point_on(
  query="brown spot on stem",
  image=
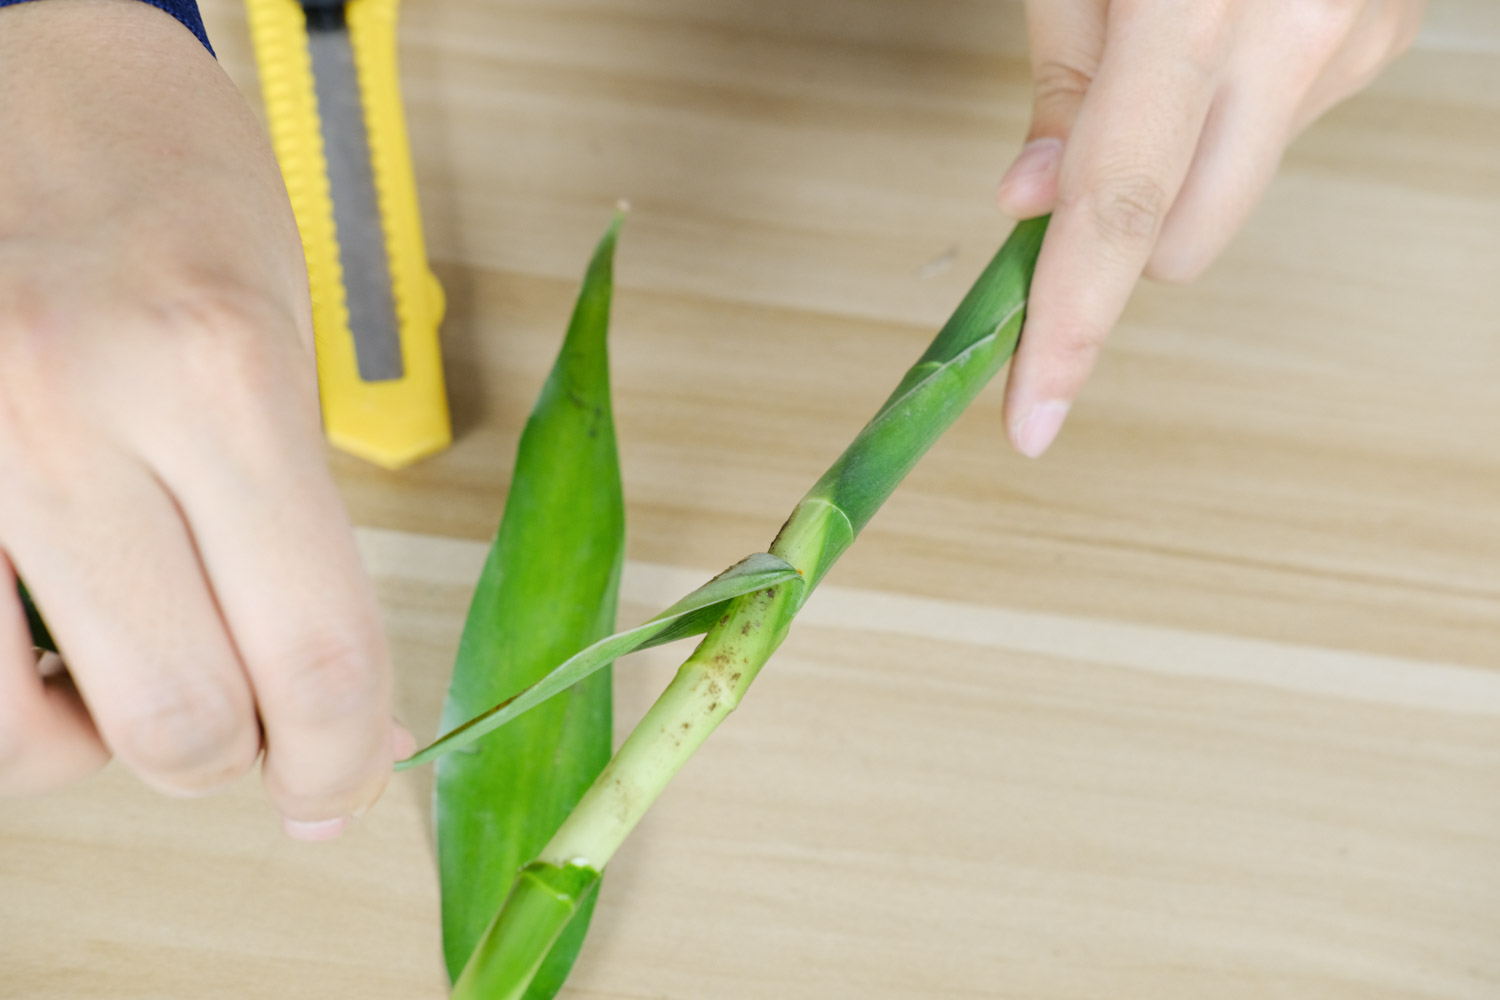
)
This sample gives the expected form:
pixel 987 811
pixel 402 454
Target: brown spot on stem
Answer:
pixel 714 706
pixel 745 629
pixel 724 620
pixel 626 803
pixel 734 677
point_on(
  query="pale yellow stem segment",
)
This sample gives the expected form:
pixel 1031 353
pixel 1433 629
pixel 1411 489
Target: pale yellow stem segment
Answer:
pixel 706 689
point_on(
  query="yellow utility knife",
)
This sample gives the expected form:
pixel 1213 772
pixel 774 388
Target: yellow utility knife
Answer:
pixel 328 75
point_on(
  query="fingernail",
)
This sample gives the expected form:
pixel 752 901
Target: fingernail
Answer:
pixel 326 829
pixel 403 743
pixel 1039 428
pixel 1038 159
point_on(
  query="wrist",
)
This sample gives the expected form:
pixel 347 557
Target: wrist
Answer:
pixel 185 12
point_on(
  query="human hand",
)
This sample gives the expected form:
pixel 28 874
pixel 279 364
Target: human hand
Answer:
pixel 164 492
pixel 1156 127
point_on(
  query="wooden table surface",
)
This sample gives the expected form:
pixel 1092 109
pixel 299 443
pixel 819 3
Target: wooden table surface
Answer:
pixel 1203 705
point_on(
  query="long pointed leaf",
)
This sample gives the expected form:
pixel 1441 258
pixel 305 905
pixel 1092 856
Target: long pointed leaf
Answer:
pixel 549 588
pixel 693 615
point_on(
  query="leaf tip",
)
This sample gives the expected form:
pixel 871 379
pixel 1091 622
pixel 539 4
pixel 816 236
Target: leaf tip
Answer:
pixel 602 264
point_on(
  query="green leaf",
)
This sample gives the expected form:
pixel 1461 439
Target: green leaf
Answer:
pixel 549 588
pixel 41 638
pixel 693 615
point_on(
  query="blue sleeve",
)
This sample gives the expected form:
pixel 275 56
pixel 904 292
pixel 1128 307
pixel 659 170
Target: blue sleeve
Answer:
pixel 185 11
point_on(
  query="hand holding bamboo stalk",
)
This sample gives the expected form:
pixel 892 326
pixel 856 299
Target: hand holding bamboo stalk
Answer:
pixel 1155 129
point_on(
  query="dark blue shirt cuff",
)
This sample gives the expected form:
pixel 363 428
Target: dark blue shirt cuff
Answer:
pixel 185 11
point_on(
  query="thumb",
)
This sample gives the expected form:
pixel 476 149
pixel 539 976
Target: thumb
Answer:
pixel 1067 42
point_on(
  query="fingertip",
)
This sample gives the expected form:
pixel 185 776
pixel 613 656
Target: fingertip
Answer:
pixel 312 804
pixel 314 832
pixel 325 705
pixel 1175 271
pixel 1186 249
pixel 1038 426
pixel 1029 187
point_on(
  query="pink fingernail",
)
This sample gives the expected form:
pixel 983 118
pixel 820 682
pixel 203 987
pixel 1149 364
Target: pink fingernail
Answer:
pixel 1039 428
pixel 314 832
pixel 1035 165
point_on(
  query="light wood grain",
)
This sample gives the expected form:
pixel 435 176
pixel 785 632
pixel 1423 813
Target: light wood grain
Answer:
pixel 1203 705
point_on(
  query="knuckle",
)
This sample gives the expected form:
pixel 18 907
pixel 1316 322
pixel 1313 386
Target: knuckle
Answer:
pixel 220 342
pixel 1053 78
pixel 246 374
pixel 236 345
pixel 197 734
pixel 1128 210
pixel 1065 359
pixel 1058 89
pixel 1075 351
pixel 327 678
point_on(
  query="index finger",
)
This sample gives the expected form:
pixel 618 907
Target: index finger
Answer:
pixel 279 552
pixel 1124 164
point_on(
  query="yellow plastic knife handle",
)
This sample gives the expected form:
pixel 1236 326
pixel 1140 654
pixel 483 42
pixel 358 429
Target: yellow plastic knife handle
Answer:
pixel 393 422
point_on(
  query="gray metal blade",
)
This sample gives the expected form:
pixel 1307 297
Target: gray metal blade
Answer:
pixel 356 212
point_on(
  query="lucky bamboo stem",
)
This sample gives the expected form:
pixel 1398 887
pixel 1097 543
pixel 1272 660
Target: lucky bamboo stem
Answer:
pixel 706 689
pixel 971 348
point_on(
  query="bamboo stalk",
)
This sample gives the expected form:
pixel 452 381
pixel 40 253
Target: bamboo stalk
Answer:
pixel 971 348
